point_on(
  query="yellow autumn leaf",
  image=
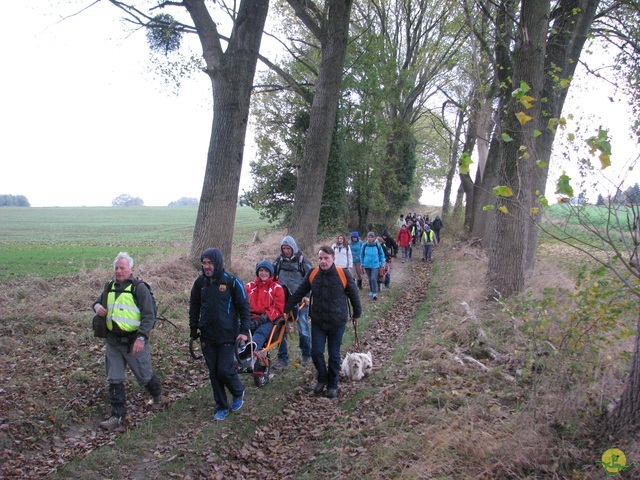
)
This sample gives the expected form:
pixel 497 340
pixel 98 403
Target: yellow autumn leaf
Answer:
pixel 527 101
pixel 535 210
pixel 503 209
pixel 605 160
pixel 523 118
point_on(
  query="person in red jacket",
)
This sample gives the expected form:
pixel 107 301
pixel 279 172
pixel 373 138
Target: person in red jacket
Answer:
pixel 266 300
pixel 404 241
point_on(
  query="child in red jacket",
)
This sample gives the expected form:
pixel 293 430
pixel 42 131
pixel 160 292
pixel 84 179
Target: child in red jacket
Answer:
pixel 266 299
pixel 404 240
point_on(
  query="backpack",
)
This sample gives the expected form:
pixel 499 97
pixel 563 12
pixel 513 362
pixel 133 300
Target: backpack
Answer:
pixel 278 263
pixel 137 282
pixel 343 277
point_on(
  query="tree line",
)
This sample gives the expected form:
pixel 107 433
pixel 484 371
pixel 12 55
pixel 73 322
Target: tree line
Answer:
pixel 14 201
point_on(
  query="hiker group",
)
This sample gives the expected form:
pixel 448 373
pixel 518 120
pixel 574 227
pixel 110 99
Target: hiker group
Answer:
pixel 224 312
pixel 417 230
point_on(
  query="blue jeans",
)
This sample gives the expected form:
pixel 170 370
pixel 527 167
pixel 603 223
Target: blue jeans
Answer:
pixel 261 334
pixel 222 372
pixel 372 278
pixel 333 339
pixel 405 253
pixel 304 334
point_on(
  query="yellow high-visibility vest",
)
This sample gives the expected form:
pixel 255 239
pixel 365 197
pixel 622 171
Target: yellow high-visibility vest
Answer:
pixel 123 311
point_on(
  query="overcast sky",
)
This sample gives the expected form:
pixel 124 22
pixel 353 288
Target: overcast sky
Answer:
pixel 83 121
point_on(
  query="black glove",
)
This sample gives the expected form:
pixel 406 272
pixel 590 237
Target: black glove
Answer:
pixel 194 334
pixel 256 322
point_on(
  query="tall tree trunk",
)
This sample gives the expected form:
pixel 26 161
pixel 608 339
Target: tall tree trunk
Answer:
pixel 625 417
pixel 527 174
pixel 571 25
pixel 308 196
pixel 453 162
pixel 518 160
pixel 231 74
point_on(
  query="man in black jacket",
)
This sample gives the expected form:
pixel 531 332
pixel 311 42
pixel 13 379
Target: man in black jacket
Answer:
pixel 217 301
pixel 329 313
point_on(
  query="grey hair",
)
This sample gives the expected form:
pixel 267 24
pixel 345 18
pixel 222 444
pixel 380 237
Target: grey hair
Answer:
pixel 125 256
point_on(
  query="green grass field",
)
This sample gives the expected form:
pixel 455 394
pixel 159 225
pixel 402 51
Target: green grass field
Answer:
pixel 47 242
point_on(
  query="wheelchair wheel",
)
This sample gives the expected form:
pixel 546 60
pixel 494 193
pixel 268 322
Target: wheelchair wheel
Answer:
pixel 260 374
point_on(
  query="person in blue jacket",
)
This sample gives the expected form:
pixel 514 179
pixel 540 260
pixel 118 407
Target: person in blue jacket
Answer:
pixel 356 247
pixel 219 314
pixel 372 258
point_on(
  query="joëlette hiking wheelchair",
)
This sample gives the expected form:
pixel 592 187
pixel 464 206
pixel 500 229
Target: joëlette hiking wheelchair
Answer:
pixel 257 362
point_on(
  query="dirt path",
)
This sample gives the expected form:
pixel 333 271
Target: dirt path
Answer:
pixel 310 420
pixel 302 425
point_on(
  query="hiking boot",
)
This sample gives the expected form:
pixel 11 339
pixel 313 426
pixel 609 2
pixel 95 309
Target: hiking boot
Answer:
pixel 157 402
pixel 319 387
pixel 237 403
pixel 374 297
pixel 306 361
pixel 220 415
pixel 281 365
pixel 246 349
pixel 332 393
pixel 111 423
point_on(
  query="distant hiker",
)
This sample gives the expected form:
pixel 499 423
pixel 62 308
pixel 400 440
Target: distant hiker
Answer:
pixel 344 257
pixel 436 225
pixel 428 240
pixel 130 315
pixel 391 252
pixel 372 258
pixel 290 268
pixel 331 293
pixel 404 241
pixel 356 248
pixel 219 315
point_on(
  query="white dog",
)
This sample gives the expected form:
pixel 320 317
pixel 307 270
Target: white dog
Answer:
pixel 356 366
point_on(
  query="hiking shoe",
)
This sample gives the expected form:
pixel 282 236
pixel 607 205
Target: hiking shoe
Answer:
pixel 371 294
pixel 246 349
pixel 111 423
pixel 221 414
pixel 157 403
pixel 306 361
pixel 332 393
pixel 281 365
pixel 374 297
pixel 237 403
pixel 319 387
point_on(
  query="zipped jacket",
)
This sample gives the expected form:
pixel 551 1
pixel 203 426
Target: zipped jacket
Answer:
pixel 265 297
pixel 128 315
pixel 218 306
pixel 372 255
pixel 330 300
pixel 343 255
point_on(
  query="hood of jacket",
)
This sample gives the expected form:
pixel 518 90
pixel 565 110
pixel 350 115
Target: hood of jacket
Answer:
pixel 215 256
pixel 288 240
